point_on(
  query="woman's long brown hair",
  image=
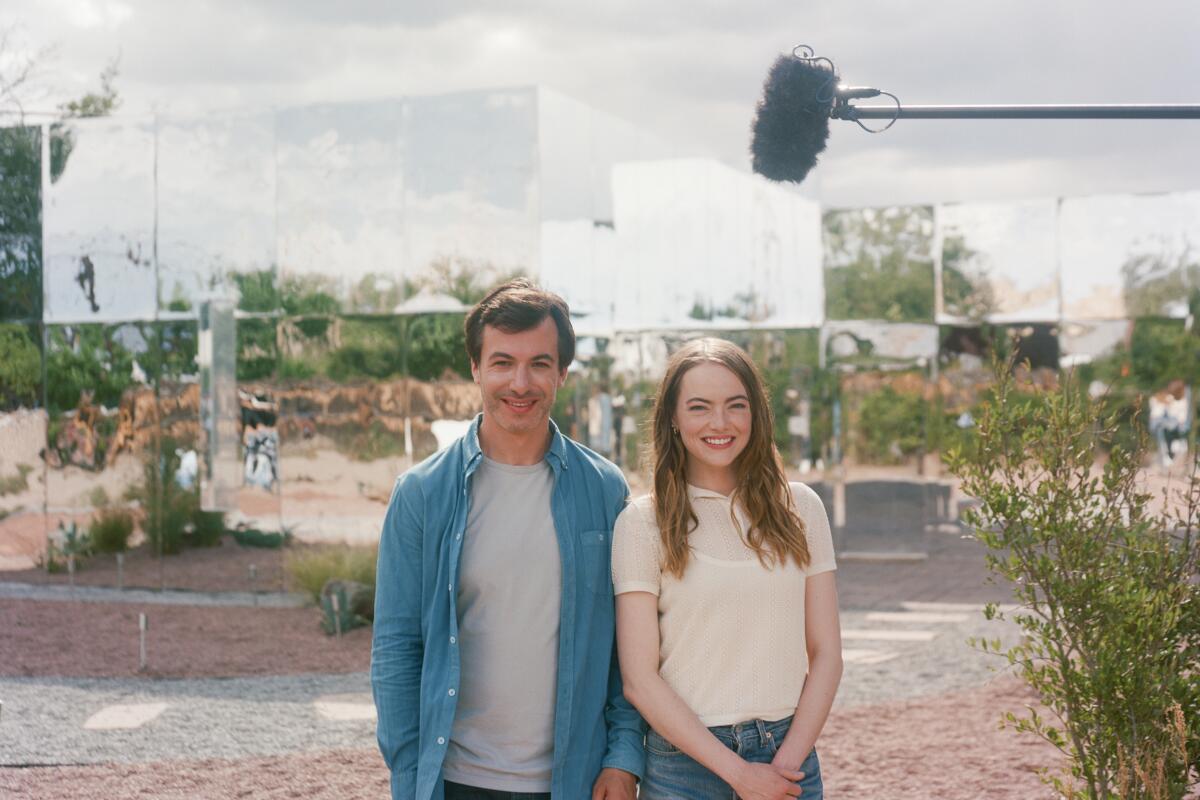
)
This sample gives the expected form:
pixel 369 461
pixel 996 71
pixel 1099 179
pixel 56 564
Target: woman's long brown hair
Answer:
pixel 776 531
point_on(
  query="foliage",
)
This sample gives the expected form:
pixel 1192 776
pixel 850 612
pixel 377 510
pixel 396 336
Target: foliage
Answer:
pixel 168 510
pixel 86 358
pixel 1106 601
pixel 20 224
pixel 466 280
pixel 965 288
pixel 891 427
pixel 208 527
pixel 65 542
pixel 437 343
pixel 310 568
pixel 111 529
pixel 92 104
pixel 257 354
pixel 252 537
pixel 20 368
pixel 879 264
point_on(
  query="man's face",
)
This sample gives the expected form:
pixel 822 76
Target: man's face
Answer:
pixel 518 377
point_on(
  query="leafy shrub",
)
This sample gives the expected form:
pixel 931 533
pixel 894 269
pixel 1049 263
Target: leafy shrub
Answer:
pixel 252 537
pixel 67 541
pixel 168 509
pixel 1105 589
pixel 110 530
pixel 209 526
pixel 891 426
pixel 309 569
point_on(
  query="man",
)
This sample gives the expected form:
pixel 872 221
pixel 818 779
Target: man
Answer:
pixel 493 663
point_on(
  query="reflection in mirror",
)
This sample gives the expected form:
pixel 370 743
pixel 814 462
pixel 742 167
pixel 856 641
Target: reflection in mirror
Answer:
pixel 470 182
pixel 99 220
pixel 341 203
pixel 101 426
pixel 755 262
pixel 22 448
pixel 1129 255
pixel 879 264
pixel 1000 262
pixel 21 224
pixel 216 203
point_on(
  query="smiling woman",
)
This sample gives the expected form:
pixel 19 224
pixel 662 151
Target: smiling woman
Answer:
pixel 710 573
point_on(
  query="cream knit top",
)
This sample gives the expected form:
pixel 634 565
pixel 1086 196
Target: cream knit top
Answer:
pixel 731 631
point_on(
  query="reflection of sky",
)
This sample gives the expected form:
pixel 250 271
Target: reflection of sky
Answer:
pixel 1100 234
pixel 1013 247
pixel 216 185
pixel 102 207
pixel 695 231
pixel 1092 339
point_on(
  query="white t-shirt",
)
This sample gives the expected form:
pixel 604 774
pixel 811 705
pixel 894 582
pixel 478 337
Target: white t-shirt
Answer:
pixel 731 631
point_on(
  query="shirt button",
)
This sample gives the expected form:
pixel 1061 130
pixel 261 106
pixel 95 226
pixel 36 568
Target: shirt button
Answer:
pixel 452 693
pixel 441 740
pixel 450 587
pixel 459 536
pixel 453 640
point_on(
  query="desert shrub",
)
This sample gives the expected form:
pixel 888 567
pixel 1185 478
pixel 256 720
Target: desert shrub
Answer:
pixel 208 527
pixel 1105 591
pixel 66 541
pixel 110 530
pixel 310 569
pixel 252 537
pixel 168 510
pixel 15 484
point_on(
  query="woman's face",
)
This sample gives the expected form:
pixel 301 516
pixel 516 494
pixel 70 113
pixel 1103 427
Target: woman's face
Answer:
pixel 713 416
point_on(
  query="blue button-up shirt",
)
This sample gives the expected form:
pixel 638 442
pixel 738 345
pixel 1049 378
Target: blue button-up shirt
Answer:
pixel 415 667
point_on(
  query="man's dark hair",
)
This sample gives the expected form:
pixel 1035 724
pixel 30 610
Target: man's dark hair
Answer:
pixel 520 305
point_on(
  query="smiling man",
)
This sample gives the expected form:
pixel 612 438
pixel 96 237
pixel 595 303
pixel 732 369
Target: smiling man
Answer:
pixel 493 662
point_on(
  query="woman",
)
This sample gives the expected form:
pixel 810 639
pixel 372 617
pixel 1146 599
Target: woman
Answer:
pixel 727 623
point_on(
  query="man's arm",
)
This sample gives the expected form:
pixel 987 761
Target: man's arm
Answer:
pixel 626 728
pixel 397 647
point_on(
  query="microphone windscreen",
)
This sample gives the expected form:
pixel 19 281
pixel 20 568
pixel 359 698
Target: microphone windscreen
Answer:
pixel 791 123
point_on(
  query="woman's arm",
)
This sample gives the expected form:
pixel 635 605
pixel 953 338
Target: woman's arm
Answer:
pixel 823 640
pixel 638 650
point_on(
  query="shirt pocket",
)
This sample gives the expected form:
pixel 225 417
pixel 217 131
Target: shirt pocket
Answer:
pixel 595 558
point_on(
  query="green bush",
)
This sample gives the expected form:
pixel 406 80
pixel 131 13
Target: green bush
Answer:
pixel 110 530
pixel 310 568
pixel 67 541
pixel 1105 591
pixel 168 509
pixel 15 484
pixel 891 427
pixel 252 537
pixel 209 526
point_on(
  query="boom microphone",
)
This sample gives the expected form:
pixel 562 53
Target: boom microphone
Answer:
pixel 791 123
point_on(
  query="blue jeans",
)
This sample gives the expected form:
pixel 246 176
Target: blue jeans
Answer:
pixel 671 774
pixel 456 791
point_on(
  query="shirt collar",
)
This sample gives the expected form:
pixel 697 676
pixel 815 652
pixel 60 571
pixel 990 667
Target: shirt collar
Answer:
pixel 556 453
pixel 695 492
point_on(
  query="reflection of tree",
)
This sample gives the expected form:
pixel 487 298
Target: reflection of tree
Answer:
pixel 465 279
pixel 879 264
pixel 1154 282
pixel 965 288
pixel 20 367
pixel 745 305
pixel 20 223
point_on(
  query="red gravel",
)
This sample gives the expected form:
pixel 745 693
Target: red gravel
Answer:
pixel 73 639
pixel 222 568
pixel 946 747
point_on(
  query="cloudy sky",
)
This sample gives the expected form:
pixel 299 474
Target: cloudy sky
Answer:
pixel 687 71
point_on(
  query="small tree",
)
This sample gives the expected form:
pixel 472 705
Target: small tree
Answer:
pixel 1106 591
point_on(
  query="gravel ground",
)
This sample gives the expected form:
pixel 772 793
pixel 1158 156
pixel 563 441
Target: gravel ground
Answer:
pixel 77 639
pixel 169 597
pixel 222 568
pixel 212 718
pixel 947 746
